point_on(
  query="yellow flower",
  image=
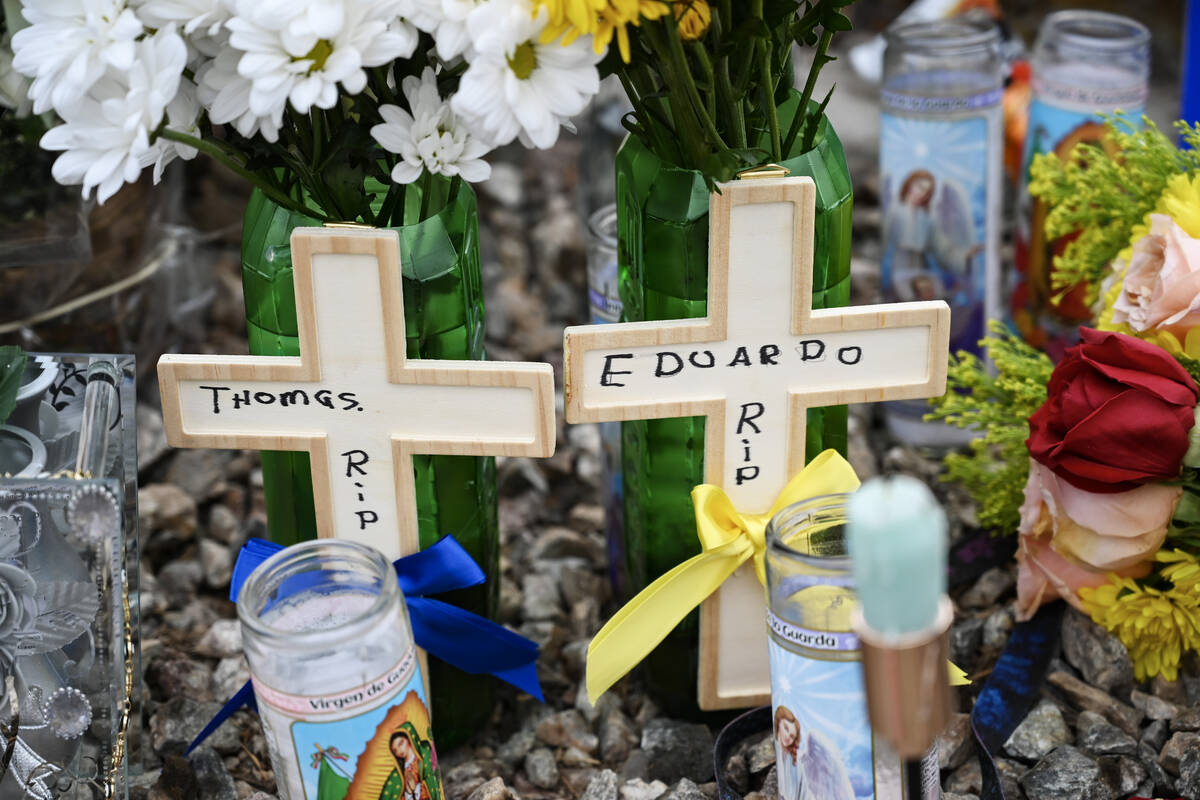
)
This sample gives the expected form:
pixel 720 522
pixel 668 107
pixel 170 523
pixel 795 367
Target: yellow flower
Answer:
pixel 1181 202
pixel 1183 571
pixel 600 19
pixel 1157 627
pixel 694 17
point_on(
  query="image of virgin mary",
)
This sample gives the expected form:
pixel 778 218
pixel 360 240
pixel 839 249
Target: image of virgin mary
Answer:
pixel 410 778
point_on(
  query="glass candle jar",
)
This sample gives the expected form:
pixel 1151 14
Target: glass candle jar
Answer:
pixel 823 736
pixel 941 164
pixel 1085 63
pixel 336 674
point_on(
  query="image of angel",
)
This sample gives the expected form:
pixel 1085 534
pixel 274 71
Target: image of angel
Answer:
pixel 810 765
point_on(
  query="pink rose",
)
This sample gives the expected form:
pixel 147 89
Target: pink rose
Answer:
pixel 1162 284
pixel 1071 538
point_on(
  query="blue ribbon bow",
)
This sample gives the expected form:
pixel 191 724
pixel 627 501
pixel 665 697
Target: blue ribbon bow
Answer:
pixel 462 639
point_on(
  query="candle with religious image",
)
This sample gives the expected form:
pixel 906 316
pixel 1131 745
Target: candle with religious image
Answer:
pixel 336 675
pixel 1085 64
pixel 824 744
pixel 940 176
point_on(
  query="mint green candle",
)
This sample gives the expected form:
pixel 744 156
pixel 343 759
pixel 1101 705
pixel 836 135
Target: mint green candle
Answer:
pixel 897 539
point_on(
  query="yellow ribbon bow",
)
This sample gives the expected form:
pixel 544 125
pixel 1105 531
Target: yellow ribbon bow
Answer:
pixel 729 539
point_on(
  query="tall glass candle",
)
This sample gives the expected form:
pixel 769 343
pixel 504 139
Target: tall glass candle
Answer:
pixel 941 162
pixel 1085 63
pixel 824 745
pixel 336 675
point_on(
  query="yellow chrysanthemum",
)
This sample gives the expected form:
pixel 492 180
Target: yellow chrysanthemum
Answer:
pixel 1181 202
pixel 600 19
pixel 1183 571
pixel 693 17
pixel 1157 627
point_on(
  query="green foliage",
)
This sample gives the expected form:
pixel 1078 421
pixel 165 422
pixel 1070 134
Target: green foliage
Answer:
pixel 996 468
pixel 12 367
pixel 1184 530
pixel 713 104
pixel 1103 190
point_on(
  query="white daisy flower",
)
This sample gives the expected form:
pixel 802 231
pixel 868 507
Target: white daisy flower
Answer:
pixel 226 95
pixel 14 87
pixel 203 17
pixel 516 86
pixel 300 50
pixel 183 115
pixel 106 135
pixel 69 44
pixel 431 138
pixel 446 20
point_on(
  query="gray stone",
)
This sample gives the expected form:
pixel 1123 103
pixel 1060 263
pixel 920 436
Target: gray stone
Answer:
pixel 770 785
pixel 223 525
pixel 1173 692
pixel 151 436
pixel 212 778
pixel 200 473
pixel 1153 707
pixel 495 789
pixel 1067 773
pixel 989 587
pixel 1173 751
pixel 162 506
pixel 737 773
pixel 955 744
pixel 996 630
pixel 177 722
pixel 678 750
pixel 541 768
pixel 586 517
pixel 1123 773
pixel 574 757
pixel 230 675
pixel 1098 655
pixel 567 729
pixel 1042 730
pixel 636 766
pixel 1100 737
pixel 179 581
pixel 1188 783
pixel 957 796
pixel 1187 720
pixel 617 736
pixel 576 779
pixel 761 755
pixel 559 542
pixel 602 787
pixel 638 789
pixel 966 635
pixel 539 597
pixel 1089 698
pixel 1155 735
pixel 965 779
pixel 222 640
pixel 217 562
pixel 181 677
pixel 516 747
pixel 1163 781
pixel 684 789
pixel 1010 773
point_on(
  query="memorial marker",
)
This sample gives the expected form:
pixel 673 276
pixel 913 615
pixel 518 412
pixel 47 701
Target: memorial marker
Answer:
pixel 753 367
pixel 352 399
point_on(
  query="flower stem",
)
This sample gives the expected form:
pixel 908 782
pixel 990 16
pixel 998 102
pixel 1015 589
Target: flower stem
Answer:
pixel 268 188
pixel 725 96
pixel 806 95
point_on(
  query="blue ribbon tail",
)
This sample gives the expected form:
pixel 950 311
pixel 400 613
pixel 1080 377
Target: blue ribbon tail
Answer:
pixel 441 567
pixel 474 644
pixel 243 699
pixel 253 553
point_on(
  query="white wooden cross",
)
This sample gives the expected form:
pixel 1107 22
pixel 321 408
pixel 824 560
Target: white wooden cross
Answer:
pixel 352 399
pixel 753 368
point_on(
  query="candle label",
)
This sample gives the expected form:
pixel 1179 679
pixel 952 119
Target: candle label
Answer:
pixel 940 167
pixel 371 741
pixel 824 745
pixel 1061 116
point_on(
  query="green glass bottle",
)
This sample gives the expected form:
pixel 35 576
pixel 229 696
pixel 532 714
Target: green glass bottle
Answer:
pixel 663 261
pixel 444 319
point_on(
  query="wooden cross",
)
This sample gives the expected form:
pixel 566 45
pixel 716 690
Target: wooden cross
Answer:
pixel 753 367
pixel 352 399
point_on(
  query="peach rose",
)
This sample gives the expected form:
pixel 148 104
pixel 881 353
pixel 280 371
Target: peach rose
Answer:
pixel 1162 284
pixel 1071 538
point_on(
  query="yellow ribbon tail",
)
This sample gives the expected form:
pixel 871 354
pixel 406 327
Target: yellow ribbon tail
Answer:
pixel 646 620
pixel 957 676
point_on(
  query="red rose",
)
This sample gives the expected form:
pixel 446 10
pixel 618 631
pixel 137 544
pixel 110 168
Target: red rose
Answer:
pixel 1117 416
